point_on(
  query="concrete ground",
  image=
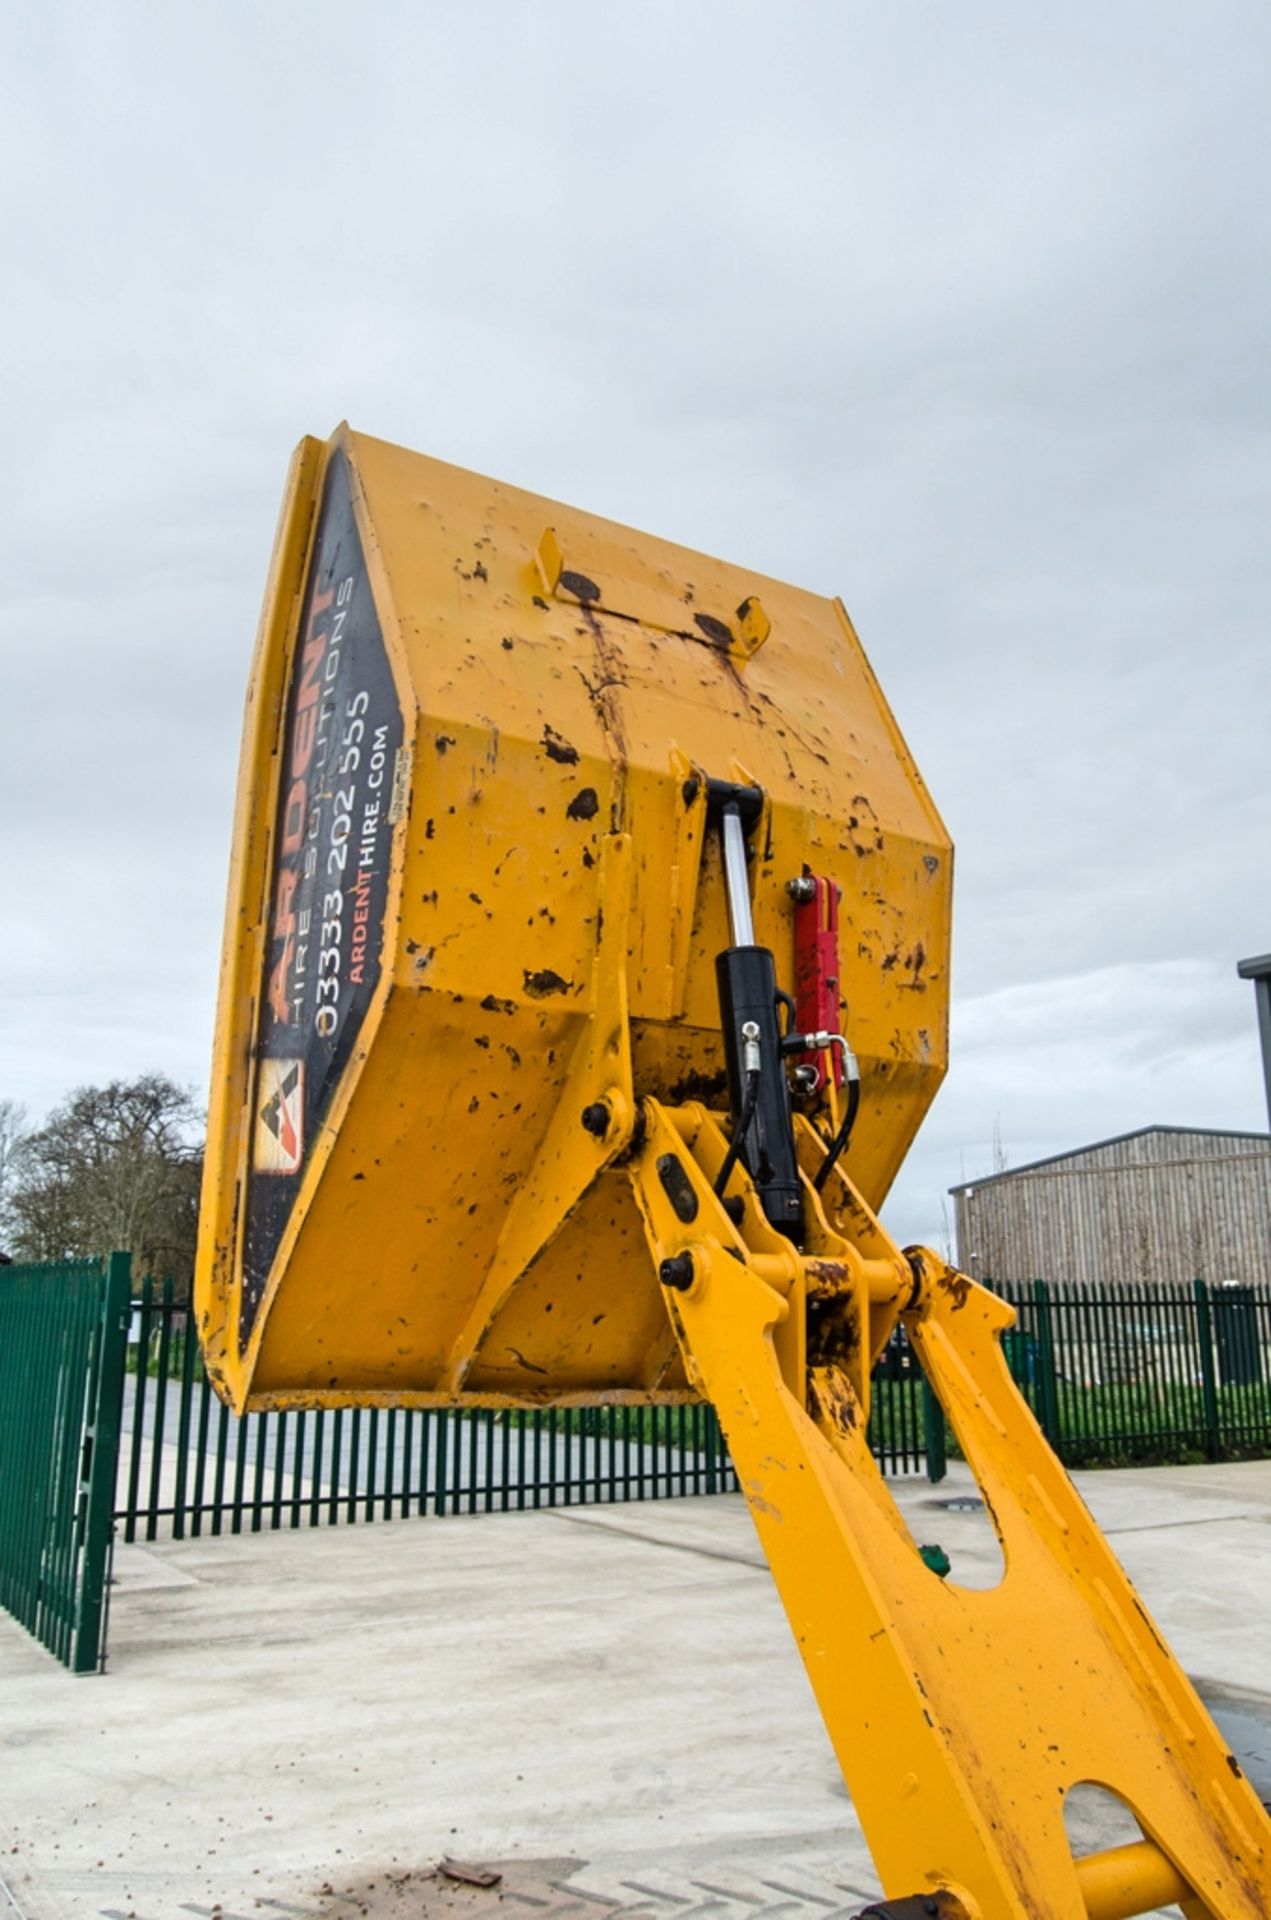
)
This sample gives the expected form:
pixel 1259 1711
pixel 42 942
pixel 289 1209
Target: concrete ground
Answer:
pixel 604 1703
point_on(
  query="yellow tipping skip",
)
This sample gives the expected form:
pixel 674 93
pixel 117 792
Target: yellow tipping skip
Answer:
pixel 491 1125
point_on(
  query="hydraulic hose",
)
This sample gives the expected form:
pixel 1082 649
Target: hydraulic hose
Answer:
pixel 749 1101
pixel 839 1143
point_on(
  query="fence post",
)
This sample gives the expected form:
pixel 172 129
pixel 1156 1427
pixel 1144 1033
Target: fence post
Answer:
pixel 1047 1381
pixel 1208 1375
pixel 933 1433
pixel 101 1465
pixel 189 1343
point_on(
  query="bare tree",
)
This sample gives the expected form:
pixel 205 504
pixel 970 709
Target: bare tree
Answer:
pixel 12 1126
pixel 946 1231
pixel 1001 1158
pixel 113 1167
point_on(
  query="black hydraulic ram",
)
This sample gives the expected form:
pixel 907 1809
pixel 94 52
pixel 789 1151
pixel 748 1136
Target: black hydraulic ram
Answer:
pixel 750 1013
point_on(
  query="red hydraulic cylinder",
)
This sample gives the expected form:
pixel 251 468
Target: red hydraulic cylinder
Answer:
pixel 816 968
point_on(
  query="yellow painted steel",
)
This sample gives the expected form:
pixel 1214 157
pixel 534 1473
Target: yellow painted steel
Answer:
pixel 1120 1883
pixel 961 1719
pixel 549 935
pixel 517 1123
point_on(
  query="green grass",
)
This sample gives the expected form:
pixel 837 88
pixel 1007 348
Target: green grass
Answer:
pixel 1152 1425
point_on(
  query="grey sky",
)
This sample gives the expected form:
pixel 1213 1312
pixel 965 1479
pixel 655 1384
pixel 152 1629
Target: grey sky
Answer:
pixel 961 311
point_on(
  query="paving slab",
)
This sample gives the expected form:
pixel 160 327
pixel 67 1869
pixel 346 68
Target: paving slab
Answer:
pixel 602 1703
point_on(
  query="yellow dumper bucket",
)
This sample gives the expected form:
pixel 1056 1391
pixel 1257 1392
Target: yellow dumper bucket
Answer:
pixel 474 910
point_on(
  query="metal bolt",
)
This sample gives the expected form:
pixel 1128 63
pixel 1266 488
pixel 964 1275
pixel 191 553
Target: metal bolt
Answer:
pixel 677 1272
pixel 805 1079
pixel 801 889
pixel 596 1119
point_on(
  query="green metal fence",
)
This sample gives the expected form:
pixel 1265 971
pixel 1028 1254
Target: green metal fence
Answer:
pixel 1138 1374
pixel 906 1429
pixel 188 1467
pixel 1125 1374
pixel 1116 1376
pixel 62 1334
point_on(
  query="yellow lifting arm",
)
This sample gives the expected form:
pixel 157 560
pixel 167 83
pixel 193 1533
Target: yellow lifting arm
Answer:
pixel 960 1718
pixel 585 981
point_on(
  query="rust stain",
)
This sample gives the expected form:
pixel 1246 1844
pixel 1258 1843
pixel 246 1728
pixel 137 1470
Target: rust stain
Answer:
pixel 914 964
pixel 829 1274
pixel 584 806
pixel 705 1087
pixel 956 1285
pixel 557 748
pixel 830 1399
pixel 604 692
pixel 529 1366
pixel 834 1330
pixel 715 630
pixel 544 982
pixel 580 586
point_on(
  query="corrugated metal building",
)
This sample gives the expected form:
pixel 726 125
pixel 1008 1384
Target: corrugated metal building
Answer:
pixel 1162 1204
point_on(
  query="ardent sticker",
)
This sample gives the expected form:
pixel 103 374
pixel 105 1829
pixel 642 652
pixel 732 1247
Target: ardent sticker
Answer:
pixel 340 753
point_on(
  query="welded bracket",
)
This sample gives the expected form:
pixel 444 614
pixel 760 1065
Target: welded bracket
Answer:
pixel 592 1124
pixel 961 1718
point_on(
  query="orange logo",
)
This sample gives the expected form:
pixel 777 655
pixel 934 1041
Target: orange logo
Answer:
pixel 279 1146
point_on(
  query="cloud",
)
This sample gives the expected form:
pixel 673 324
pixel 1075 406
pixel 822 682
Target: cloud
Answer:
pixel 962 314
pixel 1046 1066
